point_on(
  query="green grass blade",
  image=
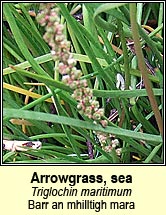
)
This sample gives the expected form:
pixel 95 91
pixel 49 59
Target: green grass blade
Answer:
pixel 156 139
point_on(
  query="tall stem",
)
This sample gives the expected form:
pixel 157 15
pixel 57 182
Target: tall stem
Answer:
pixel 143 68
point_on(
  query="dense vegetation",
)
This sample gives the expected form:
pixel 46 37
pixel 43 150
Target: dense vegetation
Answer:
pixel 119 50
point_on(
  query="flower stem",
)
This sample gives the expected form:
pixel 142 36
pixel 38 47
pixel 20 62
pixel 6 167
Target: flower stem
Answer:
pixel 142 67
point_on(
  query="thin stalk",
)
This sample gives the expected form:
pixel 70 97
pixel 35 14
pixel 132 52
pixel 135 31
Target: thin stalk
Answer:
pixel 139 14
pixel 142 67
pixel 125 55
pixel 126 66
pixel 160 18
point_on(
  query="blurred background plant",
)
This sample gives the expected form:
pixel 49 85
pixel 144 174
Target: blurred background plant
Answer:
pixel 100 42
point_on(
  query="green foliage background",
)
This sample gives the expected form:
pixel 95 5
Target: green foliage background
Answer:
pixel 65 140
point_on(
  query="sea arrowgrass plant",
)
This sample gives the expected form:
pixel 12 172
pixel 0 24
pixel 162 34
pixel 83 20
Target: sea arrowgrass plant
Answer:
pixel 71 76
pixel 61 89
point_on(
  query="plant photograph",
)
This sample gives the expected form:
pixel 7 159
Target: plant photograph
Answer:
pixel 83 83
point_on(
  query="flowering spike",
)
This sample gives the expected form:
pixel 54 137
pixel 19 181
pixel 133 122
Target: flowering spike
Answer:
pixel 71 76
